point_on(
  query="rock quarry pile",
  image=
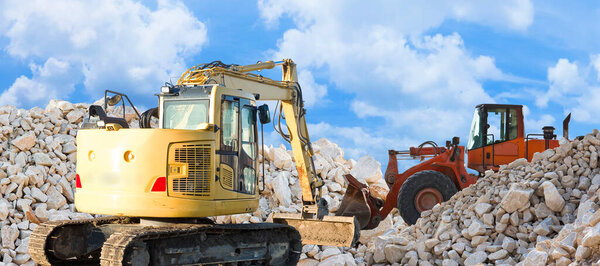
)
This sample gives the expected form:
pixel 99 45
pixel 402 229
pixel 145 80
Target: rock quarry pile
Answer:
pixel 38 168
pixel 37 171
pixel 538 213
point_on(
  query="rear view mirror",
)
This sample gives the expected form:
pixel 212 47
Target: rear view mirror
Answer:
pixel 112 101
pixel 263 114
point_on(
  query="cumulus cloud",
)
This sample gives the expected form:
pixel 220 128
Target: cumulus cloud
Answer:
pixel 311 91
pixel 564 79
pixel 357 141
pixel 54 79
pixel 534 124
pixel 384 55
pixel 575 87
pixel 120 45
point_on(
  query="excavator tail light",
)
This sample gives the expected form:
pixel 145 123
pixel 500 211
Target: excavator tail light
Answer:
pixel 77 181
pixel 160 185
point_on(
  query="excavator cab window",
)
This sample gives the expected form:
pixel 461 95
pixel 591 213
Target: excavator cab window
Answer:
pixel 229 127
pixel 247 182
pixel 185 114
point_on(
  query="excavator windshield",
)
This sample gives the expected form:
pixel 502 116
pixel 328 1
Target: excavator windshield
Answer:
pixel 185 114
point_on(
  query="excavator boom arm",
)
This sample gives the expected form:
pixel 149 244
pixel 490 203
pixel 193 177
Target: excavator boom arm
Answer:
pixel 343 231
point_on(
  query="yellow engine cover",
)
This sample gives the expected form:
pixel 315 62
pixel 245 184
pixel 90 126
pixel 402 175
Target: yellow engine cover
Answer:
pixel 118 168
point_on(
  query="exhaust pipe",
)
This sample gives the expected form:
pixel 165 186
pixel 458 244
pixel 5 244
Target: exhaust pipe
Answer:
pixel 566 126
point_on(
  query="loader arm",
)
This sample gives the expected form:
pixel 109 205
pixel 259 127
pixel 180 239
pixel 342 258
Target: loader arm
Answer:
pixel 289 93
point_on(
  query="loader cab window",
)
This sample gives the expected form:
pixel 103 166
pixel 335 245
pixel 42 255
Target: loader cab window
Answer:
pixel 185 114
pixel 475 139
pixel 492 125
pixel 502 124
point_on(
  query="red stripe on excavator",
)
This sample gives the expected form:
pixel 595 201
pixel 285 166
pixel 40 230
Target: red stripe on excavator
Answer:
pixel 77 181
pixel 160 185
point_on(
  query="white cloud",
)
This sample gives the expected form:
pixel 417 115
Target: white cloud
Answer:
pixel 52 80
pixel 121 45
pixel 564 79
pixel 517 14
pixel 533 125
pixel 405 16
pixel 425 85
pixel 575 89
pixel 311 91
pixel 357 141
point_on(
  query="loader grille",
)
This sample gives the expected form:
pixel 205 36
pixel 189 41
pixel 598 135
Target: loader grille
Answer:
pixel 197 182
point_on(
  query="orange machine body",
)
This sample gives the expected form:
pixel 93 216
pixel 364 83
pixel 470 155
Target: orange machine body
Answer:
pixel 497 137
pixel 513 146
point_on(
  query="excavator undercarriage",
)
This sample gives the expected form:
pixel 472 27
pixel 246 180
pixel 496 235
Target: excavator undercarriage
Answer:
pixel 129 241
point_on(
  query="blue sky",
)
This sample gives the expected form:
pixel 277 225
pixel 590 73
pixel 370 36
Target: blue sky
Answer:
pixel 377 75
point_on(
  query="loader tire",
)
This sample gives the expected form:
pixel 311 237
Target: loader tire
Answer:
pixel 430 184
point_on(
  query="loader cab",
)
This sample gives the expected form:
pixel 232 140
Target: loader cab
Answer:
pixel 496 136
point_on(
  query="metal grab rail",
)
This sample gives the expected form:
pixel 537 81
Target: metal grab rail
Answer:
pixel 121 100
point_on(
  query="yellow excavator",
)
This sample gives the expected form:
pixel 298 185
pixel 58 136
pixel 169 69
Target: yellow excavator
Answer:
pixel 156 186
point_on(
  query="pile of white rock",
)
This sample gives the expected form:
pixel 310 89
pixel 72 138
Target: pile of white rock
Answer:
pixel 543 212
pixel 538 213
pixel 37 177
pixel 37 171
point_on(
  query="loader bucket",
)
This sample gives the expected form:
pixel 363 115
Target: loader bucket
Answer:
pixel 330 231
pixel 357 202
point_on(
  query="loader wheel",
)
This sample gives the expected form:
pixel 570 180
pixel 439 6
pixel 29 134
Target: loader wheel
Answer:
pixel 421 191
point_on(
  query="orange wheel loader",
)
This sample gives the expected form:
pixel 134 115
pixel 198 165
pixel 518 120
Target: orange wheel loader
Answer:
pixel 497 137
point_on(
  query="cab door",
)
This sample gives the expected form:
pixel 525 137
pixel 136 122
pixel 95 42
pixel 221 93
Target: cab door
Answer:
pixel 229 144
pixel 238 148
pixel 246 181
pixel 502 144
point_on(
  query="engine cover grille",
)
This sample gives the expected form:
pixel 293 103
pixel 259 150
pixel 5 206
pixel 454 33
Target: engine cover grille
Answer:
pixel 197 157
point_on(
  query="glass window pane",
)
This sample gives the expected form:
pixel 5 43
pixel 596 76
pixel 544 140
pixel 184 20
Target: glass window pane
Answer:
pixel 186 114
pixel 496 125
pixel 512 124
pixel 475 134
pixel 249 183
pixel 248 131
pixel 229 124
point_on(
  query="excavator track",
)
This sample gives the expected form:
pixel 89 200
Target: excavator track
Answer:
pixel 185 244
pixel 124 241
pixel 42 242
